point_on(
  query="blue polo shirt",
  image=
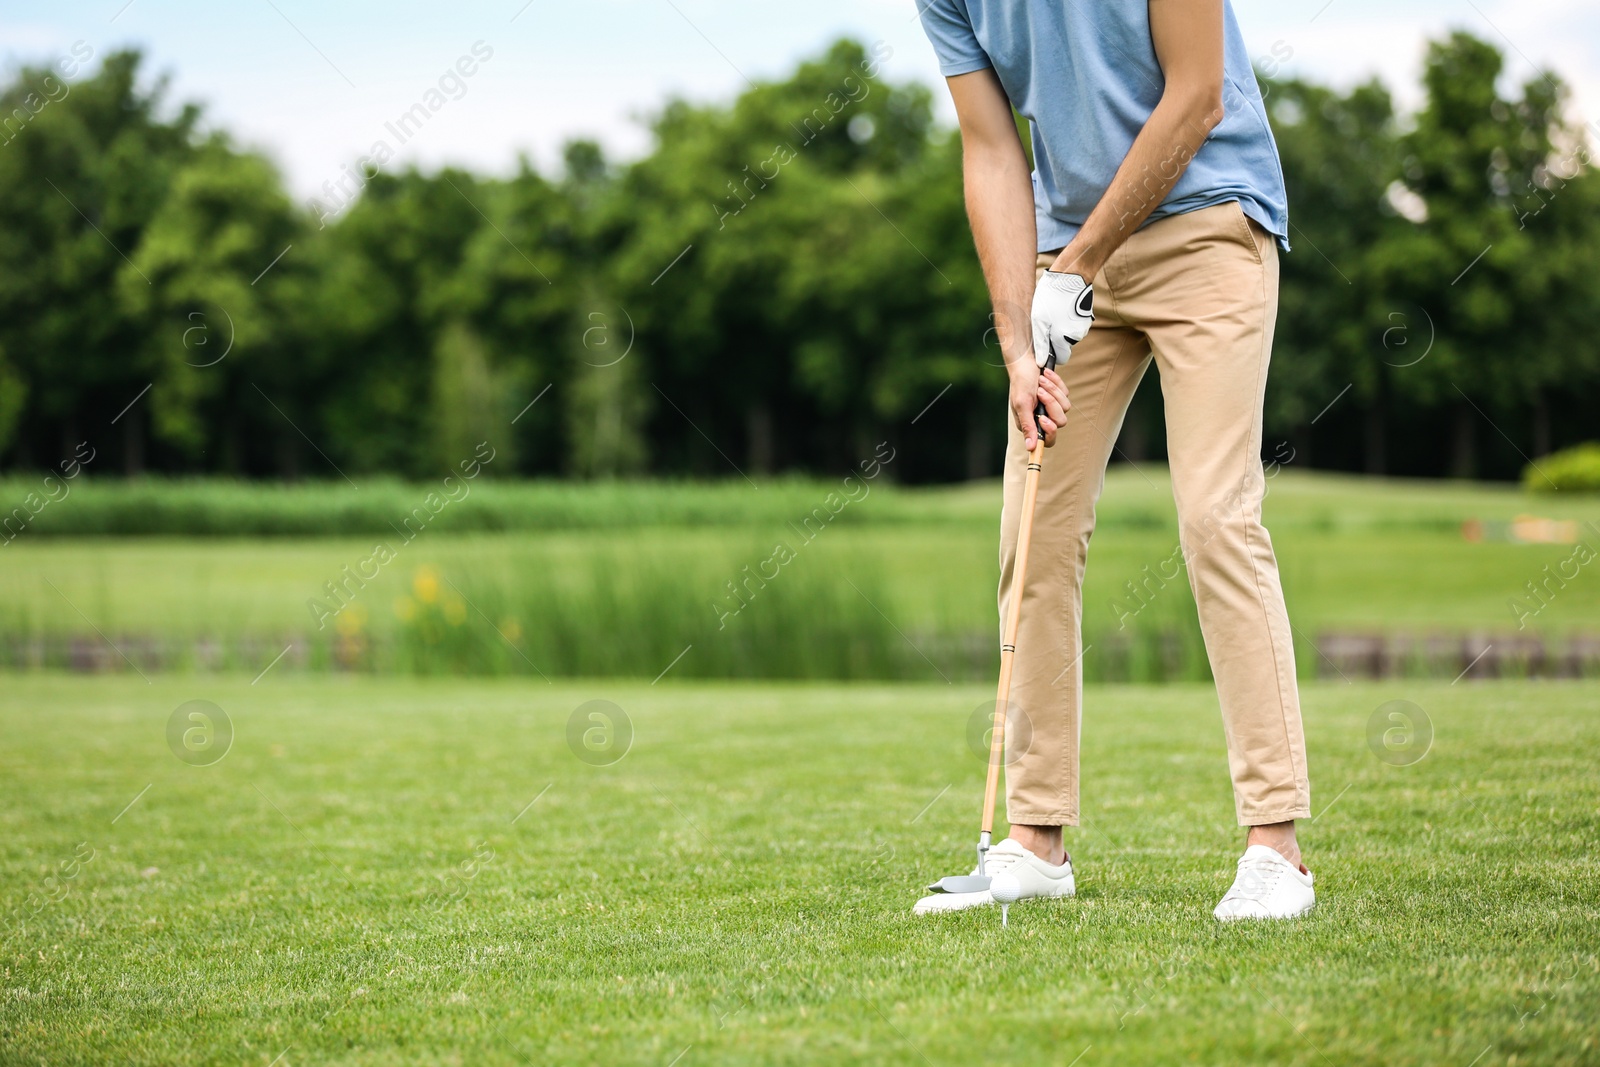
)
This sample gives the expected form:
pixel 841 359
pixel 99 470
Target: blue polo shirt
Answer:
pixel 1085 76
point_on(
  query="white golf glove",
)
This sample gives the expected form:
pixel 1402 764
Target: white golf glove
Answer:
pixel 1063 308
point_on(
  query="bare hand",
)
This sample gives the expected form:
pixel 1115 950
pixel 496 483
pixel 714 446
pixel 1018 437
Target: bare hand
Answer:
pixel 1029 386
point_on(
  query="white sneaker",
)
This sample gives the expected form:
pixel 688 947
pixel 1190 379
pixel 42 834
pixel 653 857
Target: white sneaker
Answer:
pixel 1036 877
pixel 1267 887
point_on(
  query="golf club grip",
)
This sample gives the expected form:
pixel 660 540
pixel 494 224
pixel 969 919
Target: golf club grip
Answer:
pixel 1039 411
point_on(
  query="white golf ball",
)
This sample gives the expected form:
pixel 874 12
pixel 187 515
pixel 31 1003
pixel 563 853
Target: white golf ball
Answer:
pixel 1005 888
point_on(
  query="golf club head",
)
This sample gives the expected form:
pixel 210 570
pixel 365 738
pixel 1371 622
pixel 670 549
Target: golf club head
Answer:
pixel 962 883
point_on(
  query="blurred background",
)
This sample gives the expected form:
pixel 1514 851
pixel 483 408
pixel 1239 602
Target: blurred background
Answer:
pixel 637 338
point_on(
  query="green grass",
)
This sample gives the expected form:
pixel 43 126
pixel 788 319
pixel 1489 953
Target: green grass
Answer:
pixel 352 882
pixel 1138 497
pixel 899 585
pixel 213 507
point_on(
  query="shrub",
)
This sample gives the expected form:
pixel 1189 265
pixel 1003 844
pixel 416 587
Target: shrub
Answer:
pixel 1572 470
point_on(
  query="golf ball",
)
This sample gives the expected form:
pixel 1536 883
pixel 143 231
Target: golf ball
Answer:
pixel 1005 888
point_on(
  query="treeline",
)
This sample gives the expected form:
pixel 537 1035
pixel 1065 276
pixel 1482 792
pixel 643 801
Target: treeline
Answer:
pixel 783 282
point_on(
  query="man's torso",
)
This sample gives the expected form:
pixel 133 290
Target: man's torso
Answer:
pixel 1085 75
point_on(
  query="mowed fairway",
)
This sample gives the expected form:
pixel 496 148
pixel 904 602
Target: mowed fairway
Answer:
pixel 423 871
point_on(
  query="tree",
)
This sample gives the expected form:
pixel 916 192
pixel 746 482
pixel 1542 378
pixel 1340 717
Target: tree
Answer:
pixel 207 288
pixel 519 286
pixel 1337 326
pixel 782 281
pixel 746 277
pixel 81 181
pixel 1468 262
pixel 393 258
pixel 1557 209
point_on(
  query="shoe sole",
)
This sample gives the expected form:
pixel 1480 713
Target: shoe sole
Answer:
pixel 1302 913
pixel 1071 890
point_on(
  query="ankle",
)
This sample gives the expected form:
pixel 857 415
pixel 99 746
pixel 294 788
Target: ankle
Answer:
pixel 1043 841
pixel 1277 836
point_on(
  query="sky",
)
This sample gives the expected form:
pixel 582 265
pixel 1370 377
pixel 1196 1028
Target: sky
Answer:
pixel 313 84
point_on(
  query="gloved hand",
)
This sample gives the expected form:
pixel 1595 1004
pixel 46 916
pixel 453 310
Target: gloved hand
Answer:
pixel 1063 308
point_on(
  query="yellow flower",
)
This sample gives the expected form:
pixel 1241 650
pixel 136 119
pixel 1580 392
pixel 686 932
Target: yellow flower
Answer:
pixel 351 619
pixel 426 585
pixel 405 608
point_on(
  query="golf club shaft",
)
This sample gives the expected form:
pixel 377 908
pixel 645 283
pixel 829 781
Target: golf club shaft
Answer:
pixel 1008 647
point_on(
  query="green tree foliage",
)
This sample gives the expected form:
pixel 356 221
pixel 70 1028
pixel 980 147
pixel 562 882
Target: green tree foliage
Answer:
pixel 782 281
pixel 81 179
pixel 213 310
pixel 1339 157
pixel 1471 262
pixel 784 239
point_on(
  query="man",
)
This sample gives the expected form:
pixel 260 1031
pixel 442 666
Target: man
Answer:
pixel 1148 229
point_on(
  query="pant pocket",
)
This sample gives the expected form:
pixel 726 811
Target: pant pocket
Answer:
pixel 1247 232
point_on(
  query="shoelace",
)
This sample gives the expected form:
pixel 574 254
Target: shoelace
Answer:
pixel 1255 880
pixel 995 862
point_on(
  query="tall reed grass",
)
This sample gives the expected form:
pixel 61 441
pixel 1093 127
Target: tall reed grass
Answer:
pixel 632 579
pixel 621 614
pixel 221 508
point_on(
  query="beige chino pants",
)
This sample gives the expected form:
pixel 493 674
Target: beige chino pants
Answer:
pixel 1198 293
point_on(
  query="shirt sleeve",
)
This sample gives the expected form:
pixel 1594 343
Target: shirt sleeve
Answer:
pixel 949 29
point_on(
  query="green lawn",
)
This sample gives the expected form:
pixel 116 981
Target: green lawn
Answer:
pixel 423 871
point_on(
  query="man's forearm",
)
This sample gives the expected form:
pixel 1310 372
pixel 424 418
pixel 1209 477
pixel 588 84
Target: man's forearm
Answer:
pixel 999 193
pixel 1172 135
pixel 1187 35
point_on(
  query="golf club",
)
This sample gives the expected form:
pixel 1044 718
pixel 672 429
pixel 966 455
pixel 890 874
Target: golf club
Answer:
pixel 977 883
